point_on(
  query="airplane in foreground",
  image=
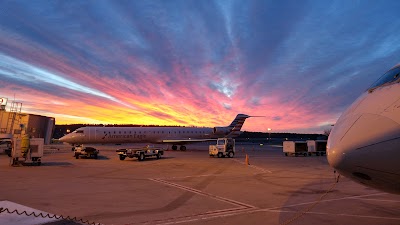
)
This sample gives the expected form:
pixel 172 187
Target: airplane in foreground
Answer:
pixel 158 135
pixel 364 144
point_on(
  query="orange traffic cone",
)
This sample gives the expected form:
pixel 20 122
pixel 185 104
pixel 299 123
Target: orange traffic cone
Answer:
pixel 247 160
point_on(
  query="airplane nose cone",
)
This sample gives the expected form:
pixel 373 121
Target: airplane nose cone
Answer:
pixel 63 139
pixel 355 137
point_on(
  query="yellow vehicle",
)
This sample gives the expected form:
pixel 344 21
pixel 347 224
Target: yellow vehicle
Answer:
pixel 224 147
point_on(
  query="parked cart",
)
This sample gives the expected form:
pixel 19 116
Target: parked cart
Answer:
pixel 317 147
pixel 140 153
pixel 295 148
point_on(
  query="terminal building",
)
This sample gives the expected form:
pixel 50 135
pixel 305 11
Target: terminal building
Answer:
pixel 13 123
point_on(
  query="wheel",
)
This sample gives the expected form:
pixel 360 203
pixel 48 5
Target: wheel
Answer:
pixel 95 156
pixel 76 156
pixel 285 153
pixel 317 153
pixel 183 148
pixel 305 154
pixel 174 147
pixel 14 161
pixel 39 163
pixel 231 154
pixel 219 155
pixel 158 155
pixel 141 157
pixel 121 157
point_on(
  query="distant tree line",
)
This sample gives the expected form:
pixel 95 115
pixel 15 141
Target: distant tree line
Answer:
pixel 247 134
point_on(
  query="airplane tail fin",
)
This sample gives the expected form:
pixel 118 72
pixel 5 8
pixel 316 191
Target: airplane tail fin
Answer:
pixel 237 124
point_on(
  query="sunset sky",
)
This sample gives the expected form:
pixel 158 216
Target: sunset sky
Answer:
pixel 297 63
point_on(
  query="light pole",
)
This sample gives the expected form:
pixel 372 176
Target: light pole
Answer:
pixel 269 135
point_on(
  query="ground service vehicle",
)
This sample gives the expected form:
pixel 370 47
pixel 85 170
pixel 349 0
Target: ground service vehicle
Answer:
pixel 27 151
pixel 88 152
pixel 6 146
pixel 140 153
pixel 295 148
pixel 316 147
pixel 224 147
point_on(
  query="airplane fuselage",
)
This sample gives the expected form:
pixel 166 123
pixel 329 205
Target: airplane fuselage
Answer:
pixel 364 144
pixel 173 135
pixel 88 135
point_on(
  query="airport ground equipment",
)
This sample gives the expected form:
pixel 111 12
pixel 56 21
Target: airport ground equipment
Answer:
pixel 224 147
pixel 27 151
pixel 86 152
pixel 6 146
pixel 295 148
pixel 140 153
pixel 317 147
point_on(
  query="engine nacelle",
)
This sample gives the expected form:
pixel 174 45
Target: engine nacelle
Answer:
pixel 222 130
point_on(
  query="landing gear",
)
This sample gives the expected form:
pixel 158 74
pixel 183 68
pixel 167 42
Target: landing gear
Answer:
pixel 141 157
pixel 182 147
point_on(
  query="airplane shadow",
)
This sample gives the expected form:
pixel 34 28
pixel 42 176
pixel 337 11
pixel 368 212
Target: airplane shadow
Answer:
pixel 45 164
pixel 148 159
pixel 99 157
pixel 102 157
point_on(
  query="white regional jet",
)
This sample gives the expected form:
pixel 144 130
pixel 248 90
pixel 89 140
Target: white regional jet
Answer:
pixel 170 135
pixel 364 144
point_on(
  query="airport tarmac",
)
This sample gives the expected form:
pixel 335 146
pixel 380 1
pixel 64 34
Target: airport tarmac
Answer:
pixel 192 188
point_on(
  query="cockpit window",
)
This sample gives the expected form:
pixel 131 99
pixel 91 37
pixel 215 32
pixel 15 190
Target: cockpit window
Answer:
pixel 389 77
pixel 78 131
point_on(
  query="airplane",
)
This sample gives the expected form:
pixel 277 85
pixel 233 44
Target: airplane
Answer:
pixel 364 144
pixel 157 135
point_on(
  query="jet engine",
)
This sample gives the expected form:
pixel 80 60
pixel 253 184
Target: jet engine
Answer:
pixel 222 130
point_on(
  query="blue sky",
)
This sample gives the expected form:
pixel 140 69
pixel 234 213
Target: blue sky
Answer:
pixel 297 63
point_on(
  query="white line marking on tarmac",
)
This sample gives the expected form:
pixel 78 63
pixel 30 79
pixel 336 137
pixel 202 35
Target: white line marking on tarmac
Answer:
pixel 241 207
pixel 331 214
pixel 253 166
pixel 329 200
pixel 204 175
pixel 379 200
pixel 233 202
